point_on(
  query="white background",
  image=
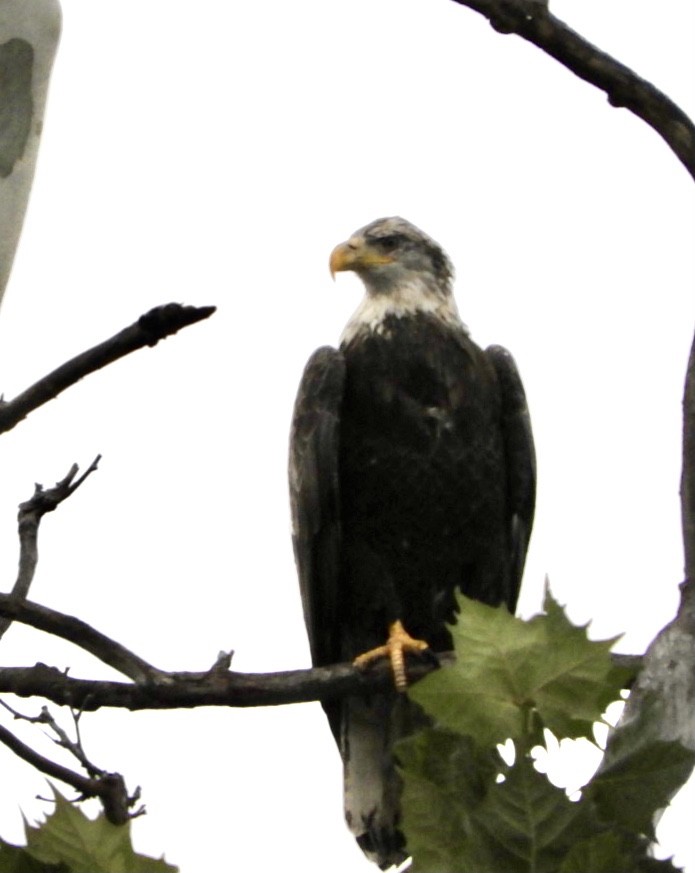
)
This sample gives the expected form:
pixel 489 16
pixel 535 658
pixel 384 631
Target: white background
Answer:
pixel 211 152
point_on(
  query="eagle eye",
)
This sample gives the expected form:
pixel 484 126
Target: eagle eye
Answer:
pixel 389 243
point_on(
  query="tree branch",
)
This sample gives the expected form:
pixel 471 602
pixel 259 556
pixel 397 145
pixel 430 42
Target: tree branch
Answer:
pixel 76 631
pixel 210 688
pixel 158 689
pixel 29 517
pixel 148 330
pixel 532 20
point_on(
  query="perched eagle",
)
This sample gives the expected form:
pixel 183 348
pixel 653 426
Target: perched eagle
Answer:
pixel 412 475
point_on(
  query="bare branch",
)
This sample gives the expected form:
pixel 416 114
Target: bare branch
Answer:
pixel 188 690
pixel 148 330
pixel 532 20
pixel 211 688
pixel 29 517
pixel 76 631
pixel 159 689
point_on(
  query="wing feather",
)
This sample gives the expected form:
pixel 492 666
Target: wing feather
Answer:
pixel 315 498
pixel 520 459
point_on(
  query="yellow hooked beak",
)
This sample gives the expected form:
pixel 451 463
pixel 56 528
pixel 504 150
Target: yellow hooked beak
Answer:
pixel 356 255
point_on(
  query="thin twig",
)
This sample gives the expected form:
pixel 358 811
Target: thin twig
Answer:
pixel 109 788
pixel 61 738
pixel 148 330
pixel 76 715
pixel 28 520
pixel 532 20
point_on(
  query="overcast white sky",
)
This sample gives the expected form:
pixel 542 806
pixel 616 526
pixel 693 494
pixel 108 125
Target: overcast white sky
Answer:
pixel 215 153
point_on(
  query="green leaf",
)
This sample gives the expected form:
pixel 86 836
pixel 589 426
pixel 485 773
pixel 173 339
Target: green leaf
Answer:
pixel 630 791
pixel 576 681
pixel 528 825
pixel 509 674
pixel 480 694
pixel 640 780
pixel 458 817
pixel 86 845
pixel 16 859
pixel 602 853
pixel 656 865
pixel 445 779
pixel 640 773
pixel 612 851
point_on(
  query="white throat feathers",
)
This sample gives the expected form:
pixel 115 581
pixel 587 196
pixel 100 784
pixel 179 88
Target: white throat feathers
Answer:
pixel 408 298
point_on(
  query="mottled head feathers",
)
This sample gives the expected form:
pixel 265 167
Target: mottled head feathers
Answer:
pixel 405 272
pixel 390 251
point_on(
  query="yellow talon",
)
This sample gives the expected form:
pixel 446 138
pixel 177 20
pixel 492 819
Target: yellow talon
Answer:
pixel 398 643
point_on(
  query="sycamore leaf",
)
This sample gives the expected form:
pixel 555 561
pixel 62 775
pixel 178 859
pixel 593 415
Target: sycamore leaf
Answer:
pixel 586 681
pixel 16 859
pixel 657 865
pixel 445 778
pixel 480 694
pixel 602 853
pixel 509 674
pixel 464 810
pixel 458 817
pixel 528 825
pixel 86 845
pixel 614 852
pixel 640 773
pixel 630 791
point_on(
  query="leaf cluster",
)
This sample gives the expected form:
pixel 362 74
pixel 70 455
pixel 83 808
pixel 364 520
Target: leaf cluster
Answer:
pixel 465 809
pixel 70 842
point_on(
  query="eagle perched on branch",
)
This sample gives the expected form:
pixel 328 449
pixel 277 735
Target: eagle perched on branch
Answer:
pixel 412 475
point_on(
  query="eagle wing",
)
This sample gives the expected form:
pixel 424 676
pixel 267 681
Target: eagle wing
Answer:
pixel 363 730
pixel 315 501
pixel 520 459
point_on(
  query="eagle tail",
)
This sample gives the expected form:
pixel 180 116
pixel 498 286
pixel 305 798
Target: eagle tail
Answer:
pixel 370 728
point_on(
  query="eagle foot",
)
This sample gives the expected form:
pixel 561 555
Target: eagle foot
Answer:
pixel 398 644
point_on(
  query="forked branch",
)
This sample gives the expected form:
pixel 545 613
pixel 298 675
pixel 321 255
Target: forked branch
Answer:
pixel 28 520
pixel 110 788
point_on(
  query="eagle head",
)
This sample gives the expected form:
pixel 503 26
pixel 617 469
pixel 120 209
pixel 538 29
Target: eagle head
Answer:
pixel 390 255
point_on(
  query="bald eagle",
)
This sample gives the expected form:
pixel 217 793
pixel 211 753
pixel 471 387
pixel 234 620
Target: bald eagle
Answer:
pixel 412 476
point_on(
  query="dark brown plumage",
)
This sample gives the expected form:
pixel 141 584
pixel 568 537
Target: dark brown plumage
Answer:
pixel 412 476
